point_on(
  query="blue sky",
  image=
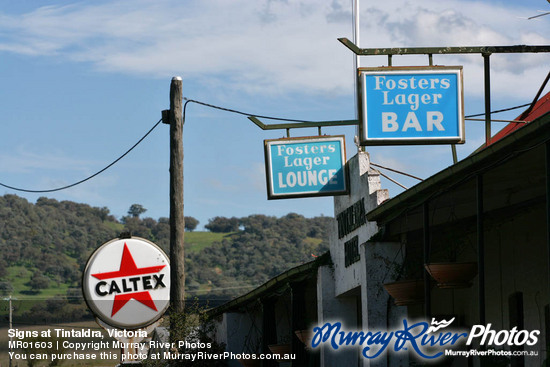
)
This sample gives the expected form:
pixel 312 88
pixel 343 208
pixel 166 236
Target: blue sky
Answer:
pixel 82 81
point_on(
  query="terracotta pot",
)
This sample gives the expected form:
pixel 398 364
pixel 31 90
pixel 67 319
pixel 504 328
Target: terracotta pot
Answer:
pixel 305 336
pixel 453 275
pixel 279 349
pixel 406 292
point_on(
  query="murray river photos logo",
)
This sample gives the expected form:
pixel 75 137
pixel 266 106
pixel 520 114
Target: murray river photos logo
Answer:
pixel 427 341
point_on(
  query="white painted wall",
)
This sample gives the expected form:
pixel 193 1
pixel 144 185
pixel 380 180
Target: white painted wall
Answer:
pixel 378 308
pixel 340 288
pixel 331 309
pixel 364 183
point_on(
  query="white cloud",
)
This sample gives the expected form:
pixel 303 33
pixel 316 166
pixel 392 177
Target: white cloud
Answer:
pixel 272 46
pixel 44 167
pixel 25 160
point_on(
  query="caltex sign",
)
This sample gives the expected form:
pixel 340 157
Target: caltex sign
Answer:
pixel 412 105
pixel 308 166
pixel 126 283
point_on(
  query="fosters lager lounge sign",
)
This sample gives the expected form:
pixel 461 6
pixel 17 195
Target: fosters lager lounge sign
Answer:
pixel 309 166
pixel 412 105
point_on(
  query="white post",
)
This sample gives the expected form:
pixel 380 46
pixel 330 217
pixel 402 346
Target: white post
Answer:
pixel 356 63
pixel 356 29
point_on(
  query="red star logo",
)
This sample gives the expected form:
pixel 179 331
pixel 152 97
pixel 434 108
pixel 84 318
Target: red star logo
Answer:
pixel 128 268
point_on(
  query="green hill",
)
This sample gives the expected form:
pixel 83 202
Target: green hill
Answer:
pixel 44 247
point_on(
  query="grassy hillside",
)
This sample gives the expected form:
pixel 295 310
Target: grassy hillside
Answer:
pixel 25 297
pixel 19 276
pixel 197 241
pixel 44 248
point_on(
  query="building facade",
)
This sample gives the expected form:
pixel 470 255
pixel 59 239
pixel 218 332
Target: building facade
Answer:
pixel 469 244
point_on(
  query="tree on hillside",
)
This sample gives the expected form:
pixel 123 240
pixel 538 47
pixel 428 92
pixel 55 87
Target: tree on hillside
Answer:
pixel 137 227
pixel 3 268
pixel 191 223
pixel 136 210
pixel 39 281
pixel 5 288
pixel 103 213
pixel 54 239
pixel 223 224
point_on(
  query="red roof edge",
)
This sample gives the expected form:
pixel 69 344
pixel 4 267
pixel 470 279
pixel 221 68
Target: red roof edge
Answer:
pixel 541 107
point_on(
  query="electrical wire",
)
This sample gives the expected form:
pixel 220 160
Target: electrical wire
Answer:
pixel 89 177
pixel 187 100
pixel 308 121
pixel 240 112
pixel 498 111
pixel 184 112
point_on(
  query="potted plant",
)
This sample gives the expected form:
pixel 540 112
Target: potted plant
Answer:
pixel 409 289
pixel 406 292
pixel 452 274
pixel 305 336
pixel 282 347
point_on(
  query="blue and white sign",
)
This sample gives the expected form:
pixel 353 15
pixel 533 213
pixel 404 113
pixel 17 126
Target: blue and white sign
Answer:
pixel 411 105
pixel 312 166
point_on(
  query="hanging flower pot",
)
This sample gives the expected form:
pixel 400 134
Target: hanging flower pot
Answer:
pixel 453 275
pixel 280 349
pixel 406 292
pixel 305 336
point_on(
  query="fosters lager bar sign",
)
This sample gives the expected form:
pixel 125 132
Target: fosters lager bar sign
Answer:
pixel 412 105
pixel 311 166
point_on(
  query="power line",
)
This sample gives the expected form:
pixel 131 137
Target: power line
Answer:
pixel 184 111
pixel 187 100
pixel 498 111
pixel 89 177
pixel 310 121
pixel 240 112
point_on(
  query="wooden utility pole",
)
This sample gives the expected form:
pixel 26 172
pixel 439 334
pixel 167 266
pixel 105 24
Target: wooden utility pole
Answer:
pixel 177 221
pixel 11 326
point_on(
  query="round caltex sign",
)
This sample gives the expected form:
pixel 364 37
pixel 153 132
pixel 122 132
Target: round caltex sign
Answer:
pixel 126 283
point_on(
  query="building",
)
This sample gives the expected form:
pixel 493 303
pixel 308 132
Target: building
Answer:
pixel 486 216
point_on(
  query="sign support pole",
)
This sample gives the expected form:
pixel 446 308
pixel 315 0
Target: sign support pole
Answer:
pixel 177 221
pixel 356 66
pixel 487 78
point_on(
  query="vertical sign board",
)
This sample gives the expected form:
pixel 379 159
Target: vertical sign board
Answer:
pixel 310 166
pixel 412 105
